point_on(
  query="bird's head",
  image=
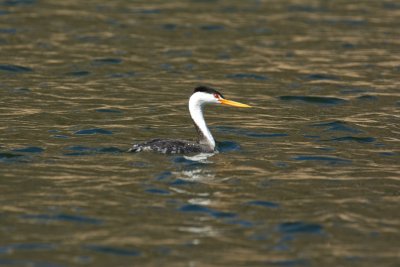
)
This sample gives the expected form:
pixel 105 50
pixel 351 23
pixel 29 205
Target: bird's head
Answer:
pixel 206 95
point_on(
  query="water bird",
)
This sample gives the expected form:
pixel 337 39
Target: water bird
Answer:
pixel 201 96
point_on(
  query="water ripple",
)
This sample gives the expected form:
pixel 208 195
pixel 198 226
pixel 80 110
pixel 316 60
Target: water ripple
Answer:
pixel 78 73
pixel 212 27
pixel 8 157
pixel 354 139
pixel 320 76
pixel 314 99
pixel 47 218
pixel 84 151
pixel 244 132
pixel 30 149
pixel 202 209
pixel 14 68
pixel 262 203
pixel 108 110
pixel 92 131
pixel 327 159
pixel 336 126
pixel 113 250
pixel 105 61
pixel 227 146
pixel 157 191
pixel 18 2
pixel 300 227
pixel 27 246
pixel 247 76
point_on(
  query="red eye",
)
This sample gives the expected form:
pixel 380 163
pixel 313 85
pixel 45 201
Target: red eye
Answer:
pixel 216 96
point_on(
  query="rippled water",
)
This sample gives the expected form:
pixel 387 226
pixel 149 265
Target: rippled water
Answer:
pixel 308 177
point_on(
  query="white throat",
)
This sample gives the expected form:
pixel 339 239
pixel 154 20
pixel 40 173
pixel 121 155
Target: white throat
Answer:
pixel 196 103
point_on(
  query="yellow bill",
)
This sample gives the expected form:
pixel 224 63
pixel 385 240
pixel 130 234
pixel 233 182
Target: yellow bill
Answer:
pixel 233 103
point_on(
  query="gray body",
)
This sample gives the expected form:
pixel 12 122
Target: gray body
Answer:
pixel 171 146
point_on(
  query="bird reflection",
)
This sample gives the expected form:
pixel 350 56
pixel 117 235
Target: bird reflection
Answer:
pixel 195 168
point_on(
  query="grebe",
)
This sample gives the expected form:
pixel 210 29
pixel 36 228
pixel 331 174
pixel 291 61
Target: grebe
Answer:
pixel 206 144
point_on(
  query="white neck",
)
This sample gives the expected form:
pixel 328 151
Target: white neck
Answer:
pixel 196 112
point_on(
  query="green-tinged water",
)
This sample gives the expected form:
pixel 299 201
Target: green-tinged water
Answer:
pixel 309 176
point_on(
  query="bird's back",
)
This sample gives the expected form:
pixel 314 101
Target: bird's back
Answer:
pixel 169 146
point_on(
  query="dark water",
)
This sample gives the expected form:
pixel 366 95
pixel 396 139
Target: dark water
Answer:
pixel 308 177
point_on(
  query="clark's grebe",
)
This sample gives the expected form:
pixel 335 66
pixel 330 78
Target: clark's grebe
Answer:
pixel 205 144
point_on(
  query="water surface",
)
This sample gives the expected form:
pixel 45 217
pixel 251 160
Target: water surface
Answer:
pixel 308 177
